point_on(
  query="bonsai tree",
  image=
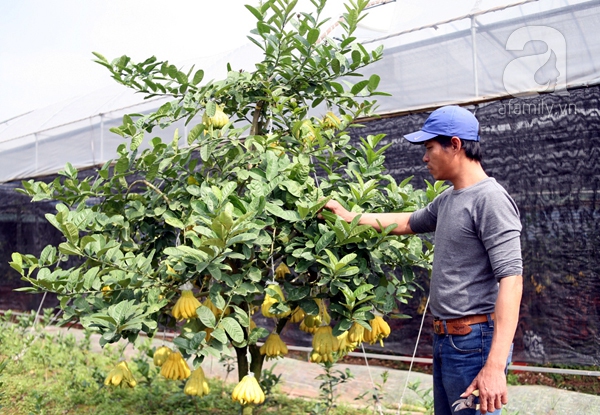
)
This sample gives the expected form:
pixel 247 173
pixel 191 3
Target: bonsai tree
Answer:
pixel 195 233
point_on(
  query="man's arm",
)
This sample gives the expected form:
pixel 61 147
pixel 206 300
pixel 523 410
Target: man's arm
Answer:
pixel 491 381
pixel 386 219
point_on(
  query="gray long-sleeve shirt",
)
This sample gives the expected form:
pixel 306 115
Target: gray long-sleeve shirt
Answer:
pixel 477 242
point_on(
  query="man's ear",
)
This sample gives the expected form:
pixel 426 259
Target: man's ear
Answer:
pixel 456 143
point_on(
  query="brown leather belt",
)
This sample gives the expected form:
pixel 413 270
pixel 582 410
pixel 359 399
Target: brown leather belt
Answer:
pixel 459 326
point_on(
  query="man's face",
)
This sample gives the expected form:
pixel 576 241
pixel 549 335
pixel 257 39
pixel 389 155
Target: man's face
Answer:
pixel 438 160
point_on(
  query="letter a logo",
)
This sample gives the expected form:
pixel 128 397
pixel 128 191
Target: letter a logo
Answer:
pixel 522 74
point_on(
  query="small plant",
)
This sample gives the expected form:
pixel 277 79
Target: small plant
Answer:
pixel 512 379
pixel 376 394
pixel 2 367
pixel 425 398
pixel 330 381
pixel 86 343
pixel 39 404
pixel 7 316
pixel 269 380
pixel 228 362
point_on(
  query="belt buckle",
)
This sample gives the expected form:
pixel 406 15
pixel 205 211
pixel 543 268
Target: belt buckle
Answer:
pixel 438 327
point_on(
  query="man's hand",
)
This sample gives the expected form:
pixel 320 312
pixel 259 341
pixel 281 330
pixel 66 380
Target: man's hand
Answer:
pixel 493 393
pixel 336 208
pixel 491 380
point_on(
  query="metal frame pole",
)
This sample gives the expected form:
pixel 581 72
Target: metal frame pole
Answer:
pixel 474 50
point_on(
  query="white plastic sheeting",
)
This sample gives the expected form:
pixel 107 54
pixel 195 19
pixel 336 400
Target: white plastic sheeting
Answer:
pixel 436 52
pixel 492 51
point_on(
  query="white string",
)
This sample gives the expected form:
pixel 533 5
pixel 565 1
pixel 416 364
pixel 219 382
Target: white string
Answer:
pixel 372 382
pixel 272 257
pixel 37 314
pixel 248 355
pixel 413 357
pixel 314 172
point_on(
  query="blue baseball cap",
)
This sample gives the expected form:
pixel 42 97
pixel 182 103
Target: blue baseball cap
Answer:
pixel 452 121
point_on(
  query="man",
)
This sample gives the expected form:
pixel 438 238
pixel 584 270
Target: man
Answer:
pixel 476 282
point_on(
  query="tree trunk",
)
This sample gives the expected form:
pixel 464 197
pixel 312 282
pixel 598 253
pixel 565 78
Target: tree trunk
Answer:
pixel 256 361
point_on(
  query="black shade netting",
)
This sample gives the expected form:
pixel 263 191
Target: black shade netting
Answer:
pixel 543 149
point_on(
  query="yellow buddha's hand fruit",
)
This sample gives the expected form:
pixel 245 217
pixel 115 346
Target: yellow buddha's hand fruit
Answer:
pixel 345 345
pixel 270 300
pixel 324 341
pixel 120 375
pixel 274 347
pixel 325 317
pixel 175 368
pixel 356 333
pixel 298 315
pixel 186 305
pixel 219 120
pixel 160 355
pixel 330 120
pixel 196 385
pixel 379 331
pixel 248 391
pixel 281 271
pixel 192 180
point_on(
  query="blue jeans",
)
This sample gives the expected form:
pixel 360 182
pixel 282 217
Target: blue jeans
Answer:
pixel 457 360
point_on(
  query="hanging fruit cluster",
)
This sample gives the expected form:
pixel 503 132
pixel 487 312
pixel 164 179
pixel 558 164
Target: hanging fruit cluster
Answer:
pixel 326 346
pixel 120 376
pixel 248 391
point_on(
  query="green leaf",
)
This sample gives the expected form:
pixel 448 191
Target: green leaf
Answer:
pixel 122 165
pixel 211 108
pixel 71 232
pixel 313 36
pixel 263 28
pixel 206 317
pixel 233 328
pixel 336 67
pixel 198 76
pixel 359 86
pixel 288 215
pixel 257 333
pixel 255 12
pixel 342 325
pixel 136 140
pixel 219 334
pixel 100 57
pixel 272 165
pixel 172 220
pixel 121 311
pixel 358 293
pixel 373 82
pixel 89 277
pixel 324 241
pixel 69 249
pixel 195 132
pixel 17 258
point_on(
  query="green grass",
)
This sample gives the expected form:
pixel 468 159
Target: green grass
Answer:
pixel 59 375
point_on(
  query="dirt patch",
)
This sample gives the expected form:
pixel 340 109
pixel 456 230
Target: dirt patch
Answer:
pixel 584 384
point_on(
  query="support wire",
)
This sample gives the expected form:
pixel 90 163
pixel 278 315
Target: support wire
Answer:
pixel 413 356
